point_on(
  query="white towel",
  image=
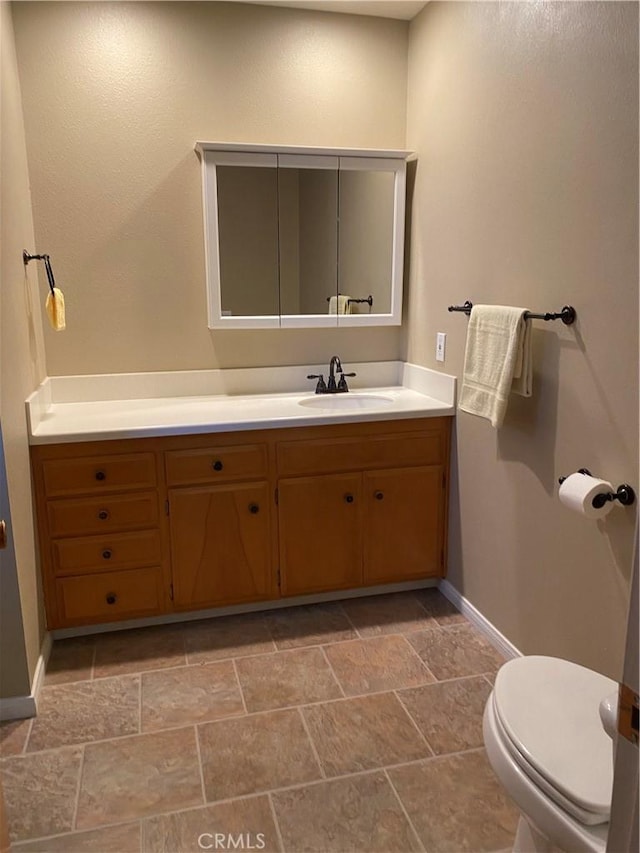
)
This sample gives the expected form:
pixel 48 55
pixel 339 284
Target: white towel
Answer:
pixel 340 305
pixel 497 361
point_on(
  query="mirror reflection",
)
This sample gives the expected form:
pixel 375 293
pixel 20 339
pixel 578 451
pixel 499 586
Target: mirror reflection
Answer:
pixel 308 207
pixel 304 241
pixel 365 240
pixel 248 240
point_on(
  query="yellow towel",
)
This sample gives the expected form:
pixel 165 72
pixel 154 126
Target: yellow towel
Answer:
pixel 497 361
pixel 340 305
pixel 54 306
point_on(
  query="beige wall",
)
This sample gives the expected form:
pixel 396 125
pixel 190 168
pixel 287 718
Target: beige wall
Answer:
pixel 115 96
pixel 21 369
pixel 525 117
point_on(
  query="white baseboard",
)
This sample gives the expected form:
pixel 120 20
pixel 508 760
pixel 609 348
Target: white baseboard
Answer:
pixel 21 707
pixel 497 640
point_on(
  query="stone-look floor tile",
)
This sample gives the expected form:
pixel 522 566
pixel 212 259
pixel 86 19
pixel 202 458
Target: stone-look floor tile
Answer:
pixel 377 664
pixel 189 694
pixel 138 650
pixel 439 607
pixel 456 652
pixel 363 733
pixel 398 613
pixel 139 776
pixel 111 839
pixel 449 714
pixel 226 637
pixel 456 804
pixel 70 660
pixel 286 678
pixel 245 824
pixel 255 753
pixel 309 625
pixel 40 792
pixel 359 813
pixel 85 711
pixel 13 736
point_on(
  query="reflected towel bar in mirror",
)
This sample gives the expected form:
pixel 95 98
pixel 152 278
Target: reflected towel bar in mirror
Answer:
pixel 567 315
pixel 368 300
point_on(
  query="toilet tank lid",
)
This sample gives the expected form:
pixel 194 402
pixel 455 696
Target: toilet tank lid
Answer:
pixel 549 708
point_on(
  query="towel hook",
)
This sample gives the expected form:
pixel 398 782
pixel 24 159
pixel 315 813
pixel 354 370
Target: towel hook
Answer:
pixel 26 257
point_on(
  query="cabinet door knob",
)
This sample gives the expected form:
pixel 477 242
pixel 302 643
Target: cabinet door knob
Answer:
pixel 3 534
pixel 217 465
pixel 348 498
pixel 379 496
pixel 106 554
pixel 100 475
pixel 103 515
pixel 254 509
pixel 111 598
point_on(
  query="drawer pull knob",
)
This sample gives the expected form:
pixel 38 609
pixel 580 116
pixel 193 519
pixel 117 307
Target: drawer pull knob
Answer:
pixel 107 553
pixel 254 509
pixel 348 498
pixel 103 515
pixel 217 465
pixel 379 496
pixel 111 598
pixel 100 475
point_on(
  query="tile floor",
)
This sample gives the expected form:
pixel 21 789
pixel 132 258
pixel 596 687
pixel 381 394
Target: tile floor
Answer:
pixel 350 726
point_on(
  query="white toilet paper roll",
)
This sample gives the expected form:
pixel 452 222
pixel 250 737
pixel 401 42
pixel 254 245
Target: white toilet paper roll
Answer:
pixel 578 491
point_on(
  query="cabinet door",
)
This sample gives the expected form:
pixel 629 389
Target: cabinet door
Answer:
pixel 220 544
pixel 320 533
pixel 404 524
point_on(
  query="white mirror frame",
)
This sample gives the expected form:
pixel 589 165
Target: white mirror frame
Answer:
pixel 213 154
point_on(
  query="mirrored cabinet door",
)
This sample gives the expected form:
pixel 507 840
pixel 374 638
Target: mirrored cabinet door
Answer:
pixel 308 216
pixel 248 241
pixel 240 198
pixel 370 244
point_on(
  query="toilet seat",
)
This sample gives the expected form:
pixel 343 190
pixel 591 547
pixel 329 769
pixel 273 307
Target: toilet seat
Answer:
pixel 547 712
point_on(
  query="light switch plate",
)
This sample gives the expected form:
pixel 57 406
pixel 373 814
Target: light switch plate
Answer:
pixel 441 343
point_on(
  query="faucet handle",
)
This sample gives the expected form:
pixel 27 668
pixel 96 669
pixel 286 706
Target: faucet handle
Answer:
pixel 320 387
pixel 342 384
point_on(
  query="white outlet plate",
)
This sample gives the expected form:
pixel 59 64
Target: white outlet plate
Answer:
pixel 441 343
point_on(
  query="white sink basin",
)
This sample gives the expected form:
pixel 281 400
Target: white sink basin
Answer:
pixel 346 402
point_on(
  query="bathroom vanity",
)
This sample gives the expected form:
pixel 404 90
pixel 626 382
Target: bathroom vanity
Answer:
pixel 166 522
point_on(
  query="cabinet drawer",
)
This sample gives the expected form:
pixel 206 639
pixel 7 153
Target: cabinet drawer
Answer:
pixel 105 553
pixel 215 464
pixel 348 454
pixel 99 474
pixel 110 596
pixel 71 517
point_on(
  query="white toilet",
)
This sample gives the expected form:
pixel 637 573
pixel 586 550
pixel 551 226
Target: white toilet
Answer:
pixel 547 745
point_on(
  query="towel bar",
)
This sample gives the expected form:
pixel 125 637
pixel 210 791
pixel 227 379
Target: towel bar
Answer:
pixel 26 257
pixel 567 315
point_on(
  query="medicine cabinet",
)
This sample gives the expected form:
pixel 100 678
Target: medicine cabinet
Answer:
pixel 302 237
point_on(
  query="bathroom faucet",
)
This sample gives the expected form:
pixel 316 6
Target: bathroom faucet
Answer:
pixel 335 366
pixel 334 363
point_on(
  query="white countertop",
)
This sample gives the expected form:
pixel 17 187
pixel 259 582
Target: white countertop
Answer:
pixel 55 416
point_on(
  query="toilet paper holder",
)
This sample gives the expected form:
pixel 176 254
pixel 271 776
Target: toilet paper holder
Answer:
pixel 624 493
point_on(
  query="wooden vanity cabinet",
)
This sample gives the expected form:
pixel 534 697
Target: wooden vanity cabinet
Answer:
pixel 140 527
pixel 220 506
pixel 320 533
pixel 366 504
pixel 102 549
